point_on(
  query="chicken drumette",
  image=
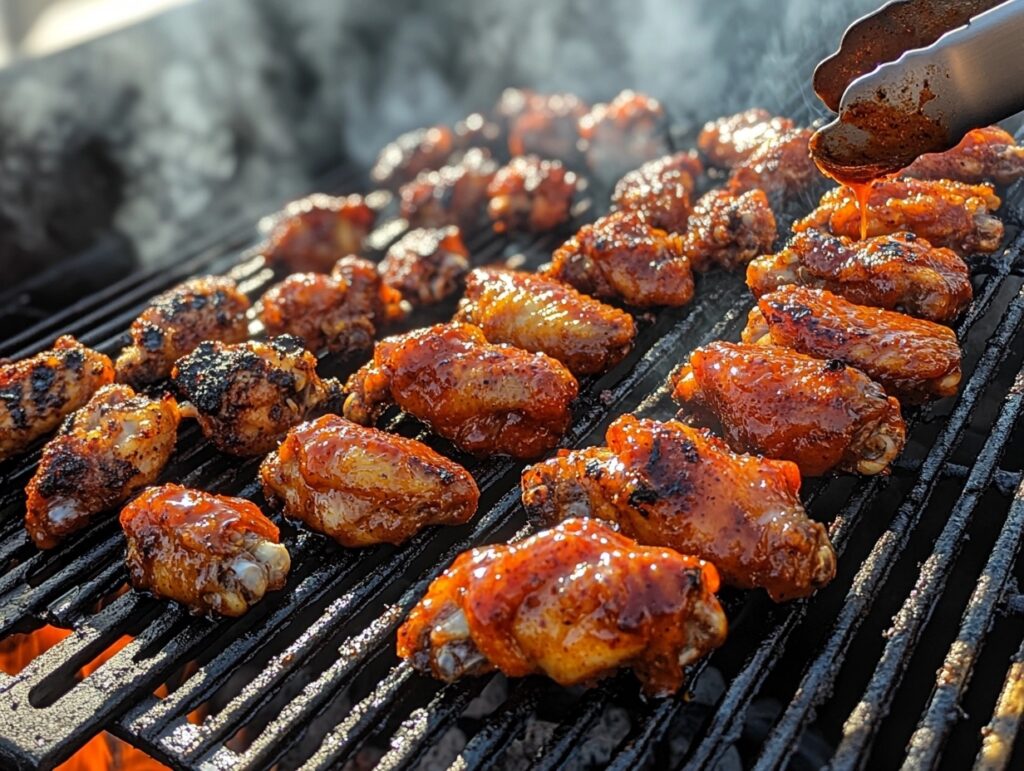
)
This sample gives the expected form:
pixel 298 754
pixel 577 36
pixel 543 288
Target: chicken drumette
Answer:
pixel 781 166
pixel 452 195
pixel 660 190
pixel 362 486
pixel 531 194
pixel 208 308
pixel 668 484
pixel 916 360
pixel 574 603
pixel 728 230
pixel 214 554
pixel 116 444
pixel 542 315
pixel 730 140
pixel 776 402
pixel 898 271
pixel 543 124
pixel 426 265
pixel 984 155
pixel 624 133
pixel 37 393
pixel 412 152
pixel 485 398
pixel 313 233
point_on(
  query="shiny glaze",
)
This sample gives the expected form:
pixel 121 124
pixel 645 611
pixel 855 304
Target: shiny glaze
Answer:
pixel 621 134
pixel 728 230
pixel 730 140
pixel 781 167
pixel 313 233
pixel 659 191
pixel 452 195
pixel 543 124
pixel 426 265
pixel 403 159
pixel 531 194
pixel 984 155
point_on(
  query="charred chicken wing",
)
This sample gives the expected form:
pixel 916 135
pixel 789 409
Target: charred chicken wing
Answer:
pixel 776 402
pixel 362 486
pixel 214 554
pixel 412 152
pixel 668 484
pixel 729 230
pixel 485 398
pixel 209 308
pixel 898 271
pixel 543 124
pixel 315 232
pixel 916 360
pixel 983 155
pixel 782 167
pixel 624 133
pixel 426 265
pixel 531 194
pixel 574 603
pixel 729 141
pixel 660 190
pixel 246 396
pixel 38 392
pixel 542 315
pixel 452 195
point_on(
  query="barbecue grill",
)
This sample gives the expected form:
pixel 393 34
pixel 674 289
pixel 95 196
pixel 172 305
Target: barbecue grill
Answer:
pixel 914 655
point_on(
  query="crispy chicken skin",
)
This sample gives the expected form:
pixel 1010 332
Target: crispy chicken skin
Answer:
pixel 215 554
pixel 781 166
pixel 898 271
pixel 943 212
pixel 118 443
pixel 485 398
pixel 453 195
pixel 426 265
pixel 915 360
pixel 730 140
pixel 207 308
pixel 574 603
pixel 246 396
pixel 621 257
pixel 38 392
pixel 313 233
pixel 361 486
pixel 542 315
pixel 984 155
pixel 728 230
pixel 530 194
pixel 543 124
pixel 660 190
pixel 668 484
pixel 624 133
pixel 412 152
pixel 785 405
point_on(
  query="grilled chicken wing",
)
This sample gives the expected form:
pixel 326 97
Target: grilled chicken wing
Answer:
pixel 412 152
pixel 575 603
pixel 776 402
pixel 313 233
pixel 942 212
pixel 478 131
pixel 38 392
pixel 916 360
pixel 215 554
pixel 543 124
pixel 669 484
pixel 452 195
pixel 362 486
pixel 898 271
pixel 246 396
pixel 660 190
pixel 208 308
pixel 531 194
pixel 781 166
pixel 730 140
pixel 485 398
pixel 983 155
pixel 426 265
pixel 542 315
pixel 116 444
pixel 622 257
pixel 729 230
pixel 624 133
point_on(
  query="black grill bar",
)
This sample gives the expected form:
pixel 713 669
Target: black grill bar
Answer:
pixel 1001 732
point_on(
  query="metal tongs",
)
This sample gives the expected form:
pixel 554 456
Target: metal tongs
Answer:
pixel 914 77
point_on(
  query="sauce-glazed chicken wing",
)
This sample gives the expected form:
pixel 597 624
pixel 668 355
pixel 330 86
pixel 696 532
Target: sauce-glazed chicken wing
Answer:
pixel 621 257
pixel 574 603
pixel 781 166
pixel 729 230
pixel 730 140
pixel 214 554
pixel 668 484
pixel 313 233
pixel 916 360
pixel 208 308
pixel 530 194
pixel 246 396
pixel 543 124
pixel 362 486
pixel 485 398
pixel 785 405
pixel 660 190
pixel 942 212
pixel 898 272
pixel 426 265
pixel 37 393
pixel 453 195
pixel 542 315
pixel 984 155
pixel 618 136
pixel 412 152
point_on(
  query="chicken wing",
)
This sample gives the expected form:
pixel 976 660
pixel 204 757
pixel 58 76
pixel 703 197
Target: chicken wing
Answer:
pixel 543 124
pixel 478 131
pixel 575 603
pixel 207 308
pixel 214 554
pixel 412 152
pixel 730 140
pixel 621 257
pixel 37 393
pixel 530 194
pixel 426 265
pixel 118 443
pixel 776 402
pixel 362 486
pixel 453 195
pixel 660 190
pixel 781 166
pixel 624 133
pixel 542 315
pixel 668 484
pixel 313 233
pixel 729 230
pixel 915 360
pixel 898 271
pixel 246 396
pixel 485 398
pixel 983 155
pixel 942 212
